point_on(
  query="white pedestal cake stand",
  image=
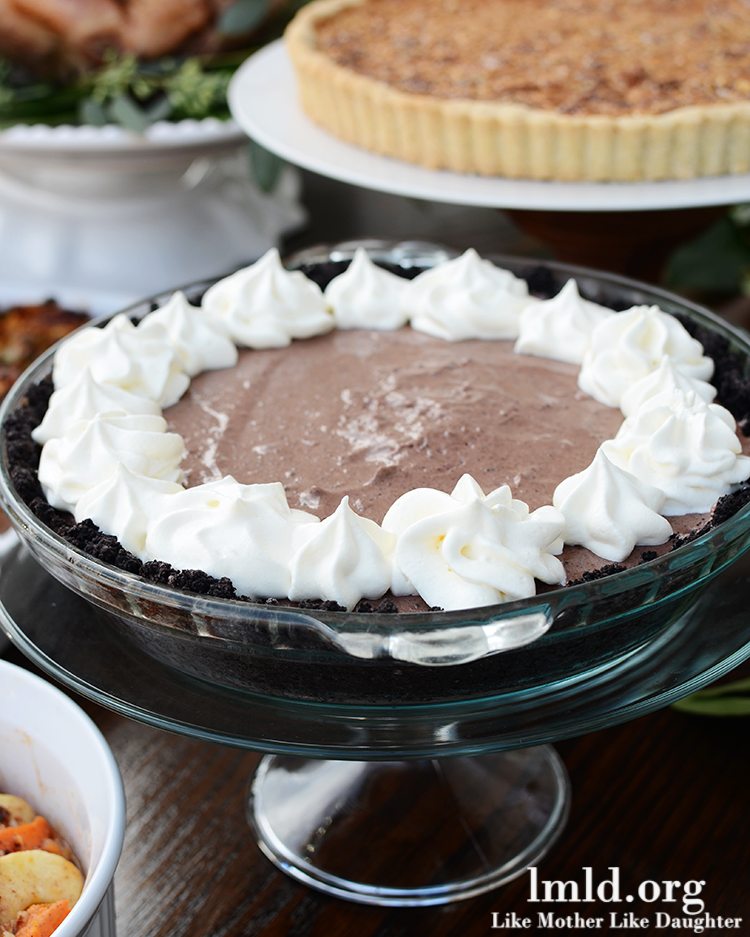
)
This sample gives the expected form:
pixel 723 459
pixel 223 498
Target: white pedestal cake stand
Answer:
pixel 112 216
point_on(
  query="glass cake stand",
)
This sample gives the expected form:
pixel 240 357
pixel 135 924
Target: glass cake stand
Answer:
pixel 470 789
pixel 421 735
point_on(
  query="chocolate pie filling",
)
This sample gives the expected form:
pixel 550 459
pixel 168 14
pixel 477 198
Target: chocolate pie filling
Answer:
pixel 376 414
pixel 373 415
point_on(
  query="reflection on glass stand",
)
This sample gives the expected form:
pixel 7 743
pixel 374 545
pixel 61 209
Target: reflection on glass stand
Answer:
pixel 466 825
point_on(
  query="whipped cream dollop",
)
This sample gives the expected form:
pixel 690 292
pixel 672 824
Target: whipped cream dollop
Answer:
pixel 138 359
pixel 561 327
pixel 123 504
pixel 84 398
pixel 343 559
pixel 464 298
pixel 201 343
pixel 685 447
pixel 107 455
pixel 92 450
pixel 243 532
pixel 365 296
pixel 609 511
pixel 468 549
pixel 266 306
pixel 628 346
pixel 664 381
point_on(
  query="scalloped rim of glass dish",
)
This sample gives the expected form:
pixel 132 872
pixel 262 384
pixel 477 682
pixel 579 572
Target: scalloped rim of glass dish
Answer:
pixel 376 625
pixel 54 141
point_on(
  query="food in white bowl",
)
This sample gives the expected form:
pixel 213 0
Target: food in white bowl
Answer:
pixel 56 763
pixel 40 880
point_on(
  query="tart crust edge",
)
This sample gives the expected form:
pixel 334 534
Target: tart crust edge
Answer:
pixel 511 140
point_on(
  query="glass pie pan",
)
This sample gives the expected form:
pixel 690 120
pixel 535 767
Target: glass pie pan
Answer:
pixel 391 696
pixel 373 658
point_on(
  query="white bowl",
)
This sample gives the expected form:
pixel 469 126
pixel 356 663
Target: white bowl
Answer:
pixel 90 209
pixel 54 756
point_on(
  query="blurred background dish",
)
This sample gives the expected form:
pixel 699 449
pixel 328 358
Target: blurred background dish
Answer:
pixel 56 758
pixel 127 62
pixel 28 327
pixel 54 36
pixel 92 209
pixel 115 140
pixel 630 228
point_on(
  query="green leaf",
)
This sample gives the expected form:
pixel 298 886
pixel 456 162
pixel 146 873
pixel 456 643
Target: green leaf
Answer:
pixel 128 92
pixel 716 262
pixel 725 689
pixel 724 706
pixel 194 92
pixel 159 110
pixel 726 699
pixel 243 16
pixel 93 112
pixel 265 167
pixel 740 214
pixel 114 78
pixel 124 111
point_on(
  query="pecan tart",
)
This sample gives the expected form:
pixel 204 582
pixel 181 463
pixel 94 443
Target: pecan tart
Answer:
pixel 591 90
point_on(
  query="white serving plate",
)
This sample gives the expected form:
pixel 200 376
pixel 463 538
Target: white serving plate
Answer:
pixel 264 102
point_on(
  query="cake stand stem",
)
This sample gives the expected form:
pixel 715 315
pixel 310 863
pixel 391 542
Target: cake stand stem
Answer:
pixel 409 833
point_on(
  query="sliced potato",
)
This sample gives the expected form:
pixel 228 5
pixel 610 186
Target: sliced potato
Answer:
pixel 20 812
pixel 35 877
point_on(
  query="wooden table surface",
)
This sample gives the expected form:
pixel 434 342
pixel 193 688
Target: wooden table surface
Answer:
pixel 665 797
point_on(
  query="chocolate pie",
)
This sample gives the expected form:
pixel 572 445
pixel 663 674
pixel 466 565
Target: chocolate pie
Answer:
pixel 472 456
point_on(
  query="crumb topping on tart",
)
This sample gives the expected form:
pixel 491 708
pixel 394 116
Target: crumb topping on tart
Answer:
pixel 582 57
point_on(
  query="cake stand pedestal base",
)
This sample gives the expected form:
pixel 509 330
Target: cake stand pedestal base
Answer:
pixel 409 833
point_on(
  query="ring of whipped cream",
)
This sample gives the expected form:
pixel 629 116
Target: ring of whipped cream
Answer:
pixel 107 455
